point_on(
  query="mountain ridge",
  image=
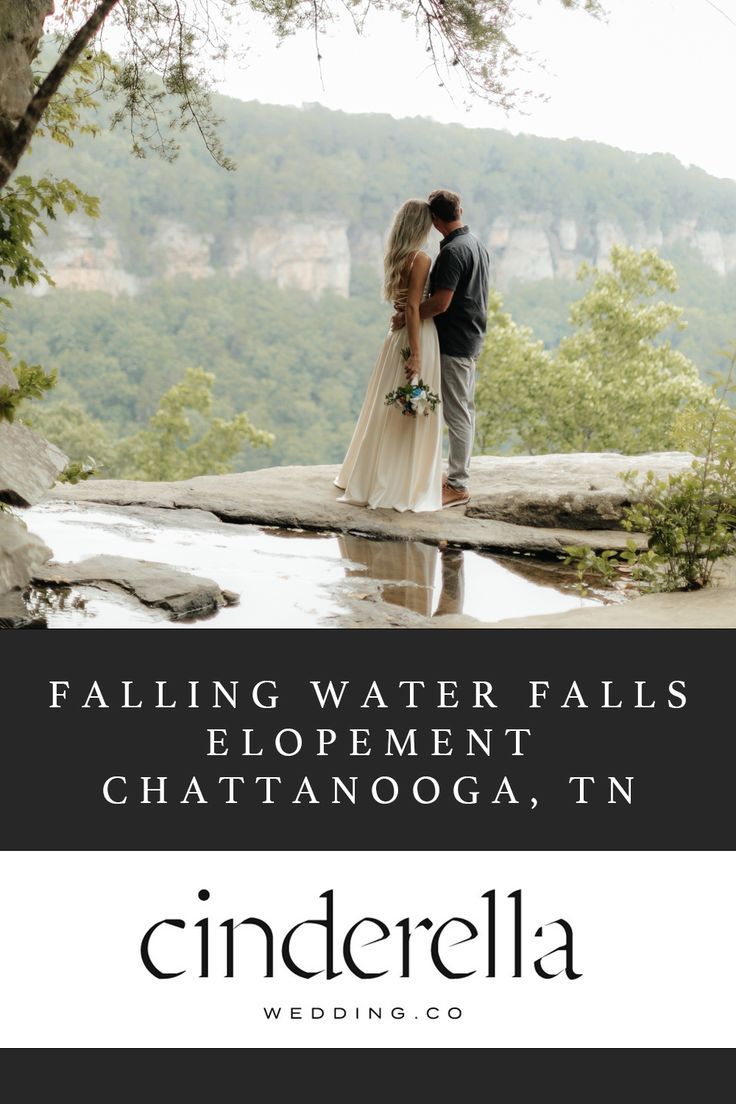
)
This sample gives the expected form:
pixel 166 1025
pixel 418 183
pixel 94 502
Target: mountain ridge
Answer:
pixel 316 189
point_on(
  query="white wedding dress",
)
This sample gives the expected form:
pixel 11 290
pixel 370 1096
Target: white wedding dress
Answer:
pixel 395 460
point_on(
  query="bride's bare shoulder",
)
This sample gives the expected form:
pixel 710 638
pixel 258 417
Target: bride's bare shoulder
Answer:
pixel 421 263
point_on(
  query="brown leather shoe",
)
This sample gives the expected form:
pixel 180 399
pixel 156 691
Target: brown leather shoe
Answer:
pixel 454 496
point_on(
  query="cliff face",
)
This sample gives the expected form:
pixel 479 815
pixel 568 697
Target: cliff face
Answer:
pixel 312 255
pixel 317 254
pixel 536 246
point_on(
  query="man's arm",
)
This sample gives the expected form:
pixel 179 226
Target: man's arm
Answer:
pixel 436 304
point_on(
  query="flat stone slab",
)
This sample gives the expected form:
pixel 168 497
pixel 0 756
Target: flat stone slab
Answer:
pixel 29 466
pixel 180 595
pixel 22 554
pixel 570 490
pixel 305 498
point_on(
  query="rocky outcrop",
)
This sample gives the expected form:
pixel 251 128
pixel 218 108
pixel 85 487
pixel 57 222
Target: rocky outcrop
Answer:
pixel 88 256
pixel 535 245
pixel 527 256
pixel 22 554
pixel 367 248
pixel 572 490
pixel 305 498
pixel 28 465
pixel 309 254
pixel 180 595
pixel 317 253
pixel 178 251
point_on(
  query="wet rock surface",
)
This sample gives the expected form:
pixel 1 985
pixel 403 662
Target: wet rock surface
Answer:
pixel 519 504
pixel 418 584
pixel 14 614
pixel 180 595
pixel 21 553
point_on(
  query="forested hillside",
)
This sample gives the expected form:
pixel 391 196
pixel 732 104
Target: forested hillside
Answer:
pixel 358 167
pixel 289 319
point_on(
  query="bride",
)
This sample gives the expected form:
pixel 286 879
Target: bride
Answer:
pixel 395 460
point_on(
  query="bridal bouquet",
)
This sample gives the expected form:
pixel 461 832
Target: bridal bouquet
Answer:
pixel 415 397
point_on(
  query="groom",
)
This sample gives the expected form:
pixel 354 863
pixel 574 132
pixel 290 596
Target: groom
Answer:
pixel 458 302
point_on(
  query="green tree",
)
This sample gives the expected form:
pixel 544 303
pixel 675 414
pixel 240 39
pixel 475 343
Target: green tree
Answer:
pixel 183 439
pixel 689 518
pixel 84 439
pixel 517 390
pixel 615 383
pixel 25 208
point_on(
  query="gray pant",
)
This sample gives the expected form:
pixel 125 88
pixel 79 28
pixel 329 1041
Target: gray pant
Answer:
pixel 458 410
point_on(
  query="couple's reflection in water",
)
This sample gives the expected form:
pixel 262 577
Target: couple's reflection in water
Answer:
pixel 408 572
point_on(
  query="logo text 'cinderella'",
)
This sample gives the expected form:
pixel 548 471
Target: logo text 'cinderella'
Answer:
pixel 354 950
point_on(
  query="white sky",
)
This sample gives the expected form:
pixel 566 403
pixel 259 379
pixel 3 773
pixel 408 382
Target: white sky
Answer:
pixel 658 76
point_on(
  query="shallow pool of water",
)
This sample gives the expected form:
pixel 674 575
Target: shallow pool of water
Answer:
pixel 289 579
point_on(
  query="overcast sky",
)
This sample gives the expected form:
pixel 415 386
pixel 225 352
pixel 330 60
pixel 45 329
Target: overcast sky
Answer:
pixel 658 76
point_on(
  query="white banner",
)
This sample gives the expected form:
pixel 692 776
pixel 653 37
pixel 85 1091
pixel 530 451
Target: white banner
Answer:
pixel 649 932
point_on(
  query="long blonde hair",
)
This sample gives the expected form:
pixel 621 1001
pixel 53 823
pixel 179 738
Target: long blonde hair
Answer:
pixel 411 226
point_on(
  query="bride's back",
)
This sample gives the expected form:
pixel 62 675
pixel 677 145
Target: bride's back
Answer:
pixel 403 293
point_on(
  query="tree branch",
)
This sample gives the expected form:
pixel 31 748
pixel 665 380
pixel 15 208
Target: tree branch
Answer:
pixel 18 139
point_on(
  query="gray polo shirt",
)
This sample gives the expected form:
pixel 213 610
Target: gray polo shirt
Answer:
pixel 463 267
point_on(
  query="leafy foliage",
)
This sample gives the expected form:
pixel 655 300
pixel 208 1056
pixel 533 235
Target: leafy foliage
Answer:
pixel 298 366
pixel 77 471
pixel 517 392
pixel 589 563
pixel 615 383
pixel 71 111
pixel 73 430
pixel 689 518
pixel 183 439
pixel 26 207
pixel 33 383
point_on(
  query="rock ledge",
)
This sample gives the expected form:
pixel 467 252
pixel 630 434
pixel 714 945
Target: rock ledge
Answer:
pixel 527 504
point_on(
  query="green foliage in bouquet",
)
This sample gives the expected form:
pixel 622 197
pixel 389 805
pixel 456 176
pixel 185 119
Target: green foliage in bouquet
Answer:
pixel 414 397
